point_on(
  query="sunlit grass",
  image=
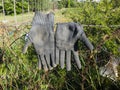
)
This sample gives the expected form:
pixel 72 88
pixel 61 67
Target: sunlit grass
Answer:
pixel 59 17
pixel 27 17
pixel 20 18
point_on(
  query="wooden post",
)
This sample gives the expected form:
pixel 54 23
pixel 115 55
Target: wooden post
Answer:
pixel 28 6
pixel 68 3
pixel 15 18
pixel 3 9
pixel 22 10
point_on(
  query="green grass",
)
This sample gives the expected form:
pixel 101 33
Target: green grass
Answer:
pixel 20 18
pixel 27 17
pixel 59 17
pixel 20 72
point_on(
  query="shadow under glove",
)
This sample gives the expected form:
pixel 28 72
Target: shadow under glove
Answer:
pixel 41 35
pixel 66 38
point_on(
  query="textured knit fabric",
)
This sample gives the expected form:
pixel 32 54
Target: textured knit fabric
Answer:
pixel 41 35
pixel 66 40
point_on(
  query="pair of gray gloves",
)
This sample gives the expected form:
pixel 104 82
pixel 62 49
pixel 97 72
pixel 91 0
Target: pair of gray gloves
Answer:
pixel 55 48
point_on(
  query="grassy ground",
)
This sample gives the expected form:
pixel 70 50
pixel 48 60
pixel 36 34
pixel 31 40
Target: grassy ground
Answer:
pixel 59 17
pixel 21 18
pixel 27 17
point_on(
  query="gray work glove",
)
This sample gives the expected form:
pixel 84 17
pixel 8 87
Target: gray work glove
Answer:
pixel 41 35
pixel 66 40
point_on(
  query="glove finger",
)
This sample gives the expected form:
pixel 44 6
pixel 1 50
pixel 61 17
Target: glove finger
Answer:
pixel 76 57
pixel 44 63
pixel 62 58
pixel 39 63
pixel 53 59
pixel 57 56
pixel 68 60
pixel 48 61
pixel 86 41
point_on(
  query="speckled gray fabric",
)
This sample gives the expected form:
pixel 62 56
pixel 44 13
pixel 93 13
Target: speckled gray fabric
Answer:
pixel 66 41
pixel 41 35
